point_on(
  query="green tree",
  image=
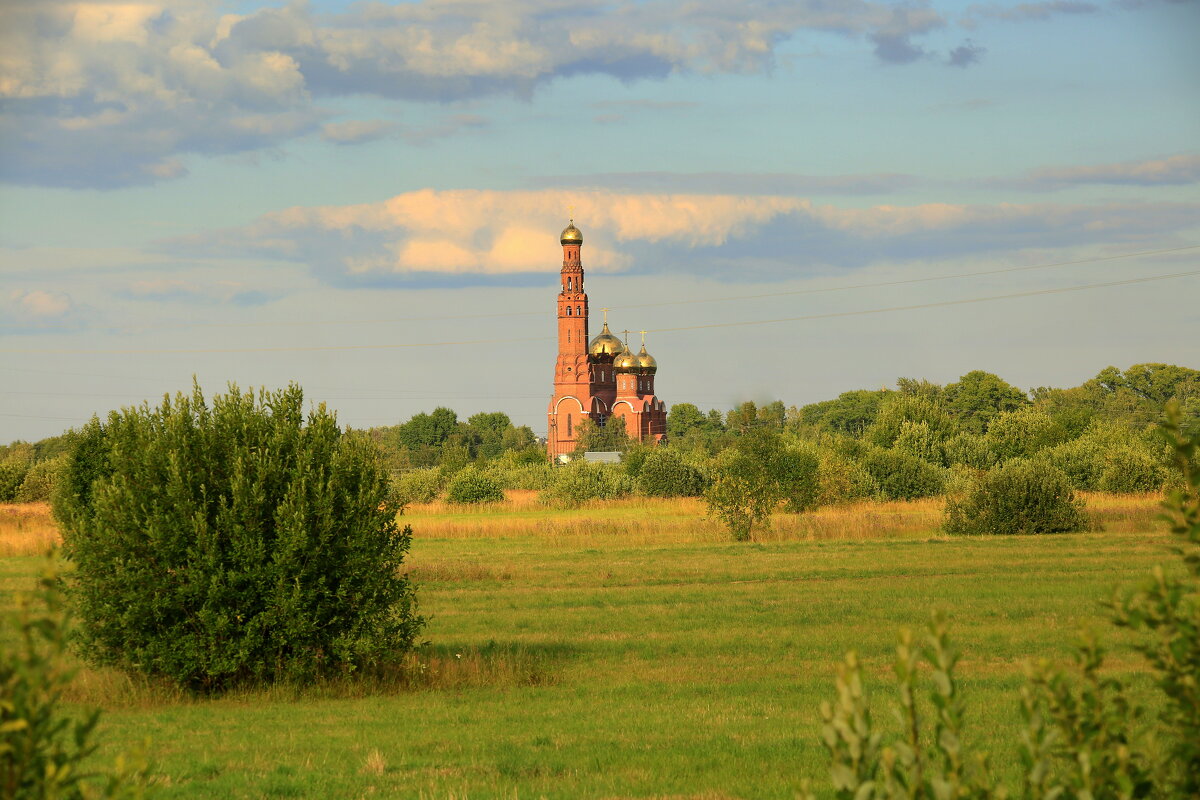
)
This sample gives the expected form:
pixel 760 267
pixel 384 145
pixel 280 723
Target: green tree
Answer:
pixel 236 542
pixel 978 397
pixel 1022 433
pixel 901 408
pixel 429 430
pixel 683 418
pixel 664 474
pixel 608 438
pixel 851 413
pixel 751 478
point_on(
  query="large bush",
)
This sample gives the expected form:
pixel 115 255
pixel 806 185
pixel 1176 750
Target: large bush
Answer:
pixel 1017 497
pixel 581 481
pixel 233 543
pixel 664 474
pixel 472 486
pixel 1022 433
pixel 416 486
pixel 38 485
pixel 901 476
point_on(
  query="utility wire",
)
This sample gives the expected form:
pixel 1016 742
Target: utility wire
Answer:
pixel 723 299
pixel 406 345
pixel 938 304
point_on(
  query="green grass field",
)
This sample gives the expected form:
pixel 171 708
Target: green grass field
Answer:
pixel 569 666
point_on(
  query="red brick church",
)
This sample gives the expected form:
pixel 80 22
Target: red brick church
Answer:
pixel 601 379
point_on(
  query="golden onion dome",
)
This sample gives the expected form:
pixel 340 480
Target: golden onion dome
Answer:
pixel 646 363
pixel 605 345
pixel 625 361
pixel 571 234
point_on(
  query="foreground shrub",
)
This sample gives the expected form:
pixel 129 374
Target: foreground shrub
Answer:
pixel 522 475
pixel 1085 736
pixel 233 543
pixel 472 486
pixel 581 481
pixel 416 486
pixel 43 747
pixel 664 474
pixel 901 476
pixel 1017 497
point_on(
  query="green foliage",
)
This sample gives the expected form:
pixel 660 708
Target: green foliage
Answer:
pixel 841 479
pixel 43 747
pixel 416 486
pixel 38 485
pixel 978 397
pixel 513 474
pixel 1084 737
pixel 472 486
pixel 1131 468
pixel 581 481
pixel 901 476
pixel 1017 497
pixel 851 414
pixel 968 449
pixel 751 478
pixel 234 543
pixel 593 438
pixel 12 474
pixel 917 440
pixel 682 418
pixel 1022 433
pixel 918 763
pixel 664 474
pixel 911 408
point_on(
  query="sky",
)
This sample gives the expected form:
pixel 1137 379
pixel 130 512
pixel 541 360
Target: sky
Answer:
pixel 794 198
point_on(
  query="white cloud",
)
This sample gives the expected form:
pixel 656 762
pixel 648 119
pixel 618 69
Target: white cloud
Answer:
pixel 1175 170
pixel 479 235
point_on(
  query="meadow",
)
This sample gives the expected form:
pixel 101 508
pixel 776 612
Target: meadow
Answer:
pixel 629 649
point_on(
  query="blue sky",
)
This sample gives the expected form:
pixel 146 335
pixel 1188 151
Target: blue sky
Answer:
pixel 365 198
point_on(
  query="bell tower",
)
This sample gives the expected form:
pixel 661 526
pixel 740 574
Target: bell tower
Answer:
pixel 572 399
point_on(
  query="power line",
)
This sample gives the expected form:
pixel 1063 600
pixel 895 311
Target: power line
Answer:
pixel 722 299
pixel 938 304
pixel 406 345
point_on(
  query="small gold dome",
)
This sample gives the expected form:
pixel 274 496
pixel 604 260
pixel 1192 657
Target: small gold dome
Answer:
pixel 605 345
pixel 625 361
pixel 646 363
pixel 571 234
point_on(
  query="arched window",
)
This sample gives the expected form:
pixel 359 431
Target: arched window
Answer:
pixel 569 425
pixel 568 311
pixel 577 312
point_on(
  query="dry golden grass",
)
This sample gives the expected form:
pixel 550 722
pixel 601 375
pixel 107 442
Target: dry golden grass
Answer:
pixel 26 529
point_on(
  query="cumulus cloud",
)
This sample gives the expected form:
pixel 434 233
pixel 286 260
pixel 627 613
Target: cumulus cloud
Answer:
pixel 1177 170
pixel 28 310
pixel 105 94
pixel 493 236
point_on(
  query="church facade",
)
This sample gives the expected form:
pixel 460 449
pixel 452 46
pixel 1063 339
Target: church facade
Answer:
pixel 598 379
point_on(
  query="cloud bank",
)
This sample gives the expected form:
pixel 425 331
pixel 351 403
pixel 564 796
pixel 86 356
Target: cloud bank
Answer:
pixel 104 94
pixel 471 237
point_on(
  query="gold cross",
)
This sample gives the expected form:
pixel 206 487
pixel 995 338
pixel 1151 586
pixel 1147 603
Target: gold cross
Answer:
pixel 626 332
pixel 605 310
pixel 643 338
